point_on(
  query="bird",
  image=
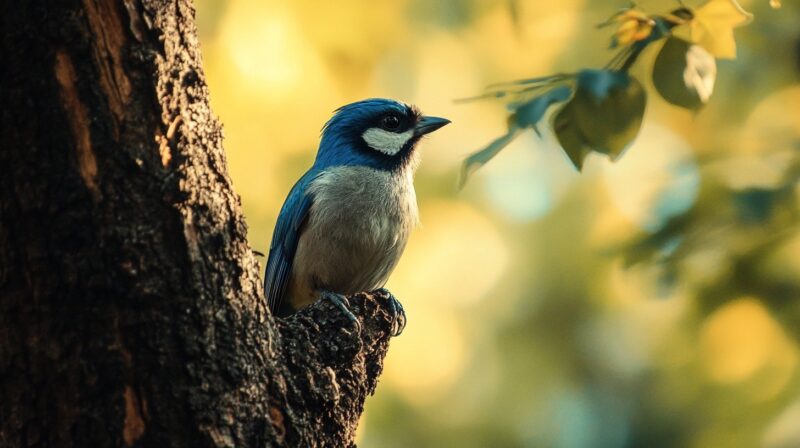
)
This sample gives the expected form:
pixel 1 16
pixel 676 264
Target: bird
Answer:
pixel 346 221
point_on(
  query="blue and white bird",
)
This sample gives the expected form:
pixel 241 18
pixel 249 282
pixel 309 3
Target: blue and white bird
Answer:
pixel 346 222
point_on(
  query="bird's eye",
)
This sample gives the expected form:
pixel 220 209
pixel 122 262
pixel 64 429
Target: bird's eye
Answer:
pixel 390 122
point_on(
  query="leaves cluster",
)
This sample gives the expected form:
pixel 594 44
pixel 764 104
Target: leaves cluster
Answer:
pixel 601 110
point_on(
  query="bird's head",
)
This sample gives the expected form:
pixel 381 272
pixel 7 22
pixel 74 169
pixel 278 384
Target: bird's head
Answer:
pixel 377 132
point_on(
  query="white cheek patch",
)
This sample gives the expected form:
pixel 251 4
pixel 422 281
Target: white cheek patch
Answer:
pixel 389 143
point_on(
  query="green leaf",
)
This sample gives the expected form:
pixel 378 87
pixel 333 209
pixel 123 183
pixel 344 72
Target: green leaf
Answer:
pixel 604 115
pixel 569 136
pixel 609 107
pixel 684 74
pixel 479 158
pixel 756 205
pixel 526 114
pixel 529 113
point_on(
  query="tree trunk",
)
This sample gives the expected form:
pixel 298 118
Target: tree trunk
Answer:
pixel 131 309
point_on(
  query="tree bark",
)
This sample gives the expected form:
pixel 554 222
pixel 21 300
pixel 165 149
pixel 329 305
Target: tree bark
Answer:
pixel 131 309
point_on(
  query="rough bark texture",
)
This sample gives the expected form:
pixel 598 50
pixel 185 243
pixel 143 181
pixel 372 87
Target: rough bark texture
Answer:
pixel 131 311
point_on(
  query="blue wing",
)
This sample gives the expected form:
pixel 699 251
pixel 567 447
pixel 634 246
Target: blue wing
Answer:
pixel 284 241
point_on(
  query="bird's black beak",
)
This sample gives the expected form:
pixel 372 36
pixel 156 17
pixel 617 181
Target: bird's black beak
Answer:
pixel 426 125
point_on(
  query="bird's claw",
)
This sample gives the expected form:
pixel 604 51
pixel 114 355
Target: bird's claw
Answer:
pixel 398 313
pixel 341 302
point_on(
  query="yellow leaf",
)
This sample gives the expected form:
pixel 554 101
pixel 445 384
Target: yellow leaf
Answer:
pixel 633 26
pixel 712 27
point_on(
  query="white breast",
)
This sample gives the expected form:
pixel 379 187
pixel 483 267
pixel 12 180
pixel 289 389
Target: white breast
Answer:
pixel 358 226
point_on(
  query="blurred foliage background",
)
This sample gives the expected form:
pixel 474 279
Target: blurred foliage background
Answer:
pixel 654 301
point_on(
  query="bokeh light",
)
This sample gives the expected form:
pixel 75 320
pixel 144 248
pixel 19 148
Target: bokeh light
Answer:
pixel 652 301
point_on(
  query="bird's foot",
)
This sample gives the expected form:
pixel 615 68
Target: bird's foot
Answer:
pixel 398 313
pixel 341 302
